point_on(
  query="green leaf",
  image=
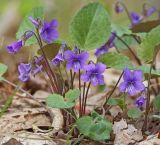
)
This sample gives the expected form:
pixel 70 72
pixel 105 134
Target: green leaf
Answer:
pixel 72 95
pixel 115 60
pixel 90 27
pixel 112 101
pixel 134 113
pixel 120 29
pixel 120 45
pixel 146 68
pixel 148 45
pixel 26 25
pixel 94 127
pixel 58 101
pixel 50 50
pixel 3 69
pixel 157 103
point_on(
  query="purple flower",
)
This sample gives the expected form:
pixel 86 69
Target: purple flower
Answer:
pixel 75 61
pixel 119 8
pixel 150 11
pixel 94 73
pixel 28 35
pixel 140 101
pixel 24 70
pixel 34 21
pixel 15 47
pixel 48 31
pixel 136 18
pixel 58 59
pixel 104 49
pixel 132 82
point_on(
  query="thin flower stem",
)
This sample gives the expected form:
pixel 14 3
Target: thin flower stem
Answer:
pixel 80 103
pixel 116 48
pixel 113 89
pixel 17 87
pixel 145 125
pixel 47 63
pixel 136 58
pixel 71 75
pixel 85 101
pixel 126 10
pixel 38 38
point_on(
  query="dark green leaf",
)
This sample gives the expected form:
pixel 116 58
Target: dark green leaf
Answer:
pixel 90 28
pixel 145 26
pixel 50 50
pixel 26 25
pixel 134 113
pixel 115 60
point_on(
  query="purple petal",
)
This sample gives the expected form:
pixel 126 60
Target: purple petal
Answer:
pixel 68 55
pixel 54 23
pixel 150 11
pixel 123 86
pixel 69 65
pixel 140 101
pixel 83 56
pixel 90 67
pixel 76 66
pixel 100 79
pixel 100 67
pixel 139 86
pixel 15 47
pixel 128 75
pixel 34 22
pixel 24 68
pixel 136 18
pixel 131 90
pixel 119 8
pixel 102 50
pixel 137 75
pixel 24 77
pixel 85 77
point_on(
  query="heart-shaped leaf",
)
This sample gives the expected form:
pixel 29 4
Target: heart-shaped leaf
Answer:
pixel 148 45
pixel 3 69
pixel 90 27
pixel 26 25
pixel 94 127
pixel 58 101
pixel 134 113
pixel 115 60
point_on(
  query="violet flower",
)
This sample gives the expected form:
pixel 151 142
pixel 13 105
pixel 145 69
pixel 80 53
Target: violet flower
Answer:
pixel 15 47
pixel 24 70
pixel 94 73
pixel 119 8
pixel 48 31
pixel 132 82
pixel 150 11
pixel 136 18
pixel 140 101
pixel 104 48
pixel 34 21
pixel 58 59
pixel 75 61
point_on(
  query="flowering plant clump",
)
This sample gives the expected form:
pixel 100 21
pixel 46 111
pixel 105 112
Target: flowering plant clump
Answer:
pixel 73 75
